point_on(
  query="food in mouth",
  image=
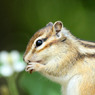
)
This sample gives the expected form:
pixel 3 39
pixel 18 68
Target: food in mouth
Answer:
pixel 31 71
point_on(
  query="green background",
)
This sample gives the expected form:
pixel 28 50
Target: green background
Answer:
pixel 20 19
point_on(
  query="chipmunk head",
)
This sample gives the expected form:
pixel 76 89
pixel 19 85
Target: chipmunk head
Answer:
pixel 46 43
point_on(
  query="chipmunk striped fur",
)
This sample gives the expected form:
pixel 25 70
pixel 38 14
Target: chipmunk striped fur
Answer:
pixel 57 54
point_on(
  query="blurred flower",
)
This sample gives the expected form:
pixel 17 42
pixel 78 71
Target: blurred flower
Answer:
pixel 10 63
pixel 6 70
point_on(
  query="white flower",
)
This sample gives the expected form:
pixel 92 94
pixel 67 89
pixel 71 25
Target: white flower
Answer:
pixel 15 55
pixel 4 57
pixel 6 71
pixel 19 66
pixel 10 63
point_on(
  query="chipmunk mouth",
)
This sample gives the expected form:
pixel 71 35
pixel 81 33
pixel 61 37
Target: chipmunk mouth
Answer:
pixel 28 67
pixel 39 61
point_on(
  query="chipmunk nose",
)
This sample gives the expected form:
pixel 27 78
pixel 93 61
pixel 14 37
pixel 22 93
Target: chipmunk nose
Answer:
pixel 27 61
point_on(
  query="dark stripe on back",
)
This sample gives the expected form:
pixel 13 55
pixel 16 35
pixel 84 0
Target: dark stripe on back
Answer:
pixel 87 55
pixel 90 55
pixel 87 45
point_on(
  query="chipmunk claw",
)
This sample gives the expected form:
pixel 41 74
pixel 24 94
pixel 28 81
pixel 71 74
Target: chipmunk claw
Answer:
pixel 33 67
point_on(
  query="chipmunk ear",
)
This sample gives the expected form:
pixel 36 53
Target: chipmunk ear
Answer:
pixel 50 24
pixel 57 27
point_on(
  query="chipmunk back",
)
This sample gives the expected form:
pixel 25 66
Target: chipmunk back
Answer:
pixel 54 52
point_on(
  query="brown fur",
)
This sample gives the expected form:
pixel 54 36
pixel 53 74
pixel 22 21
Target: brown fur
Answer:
pixel 36 35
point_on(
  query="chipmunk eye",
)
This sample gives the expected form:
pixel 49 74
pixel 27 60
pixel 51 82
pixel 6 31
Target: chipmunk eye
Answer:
pixel 39 42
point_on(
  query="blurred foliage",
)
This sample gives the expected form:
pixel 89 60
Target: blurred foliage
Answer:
pixel 36 84
pixel 20 19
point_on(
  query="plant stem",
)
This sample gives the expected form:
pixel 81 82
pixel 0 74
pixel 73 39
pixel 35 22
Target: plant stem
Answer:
pixel 12 86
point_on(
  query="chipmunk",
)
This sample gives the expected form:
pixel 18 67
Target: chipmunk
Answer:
pixel 57 54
